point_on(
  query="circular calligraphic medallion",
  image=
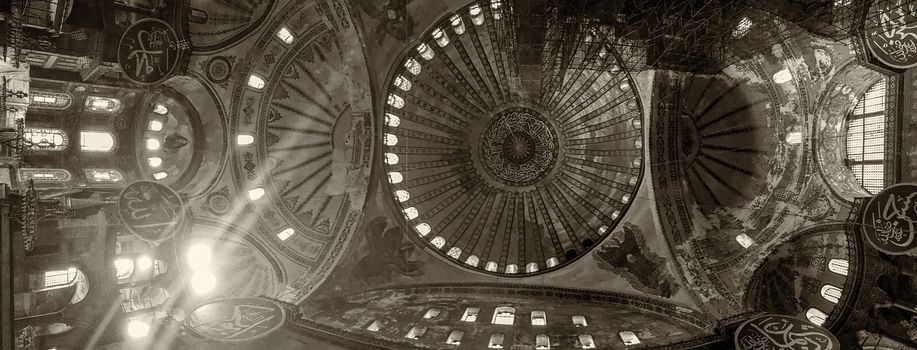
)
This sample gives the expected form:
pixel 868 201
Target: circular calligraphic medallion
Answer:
pixel 783 332
pixel 519 147
pixel 889 219
pixel 150 210
pixel 149 51
pixel 891 33
pixel 236 320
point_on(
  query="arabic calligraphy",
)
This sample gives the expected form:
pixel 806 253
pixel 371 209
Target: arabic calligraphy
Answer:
pixel 150 210
pixel 236 320
pixel 889 219
pixel 148 51
pixel 778 332
pixel 891 33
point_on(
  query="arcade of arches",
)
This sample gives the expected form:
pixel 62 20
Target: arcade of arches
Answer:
pixel 401 174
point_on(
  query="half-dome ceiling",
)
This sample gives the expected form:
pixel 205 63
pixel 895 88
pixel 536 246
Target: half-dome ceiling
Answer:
pixel 504 177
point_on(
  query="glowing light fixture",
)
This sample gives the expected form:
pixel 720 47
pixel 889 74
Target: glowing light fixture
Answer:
pixel 255 193
pixel 199 256
pixel 137 329
pixel 154 161
pixel 144 263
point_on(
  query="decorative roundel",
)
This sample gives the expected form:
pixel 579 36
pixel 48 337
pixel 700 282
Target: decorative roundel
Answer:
pixel 218 69
pixel 502 175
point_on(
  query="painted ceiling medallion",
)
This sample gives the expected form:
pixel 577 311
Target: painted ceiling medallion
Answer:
pixel 519 147
pixel 499 175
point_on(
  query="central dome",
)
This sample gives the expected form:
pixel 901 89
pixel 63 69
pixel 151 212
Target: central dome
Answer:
pixel 518 147
pixel 503 165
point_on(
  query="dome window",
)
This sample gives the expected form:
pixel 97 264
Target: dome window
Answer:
pixel 539 318
pixel 531 267
pixel 423 229
pixel 579 321
pixel 391 158
pixel 504 315
pixel 615 214
pixel 426 52
pixel 392 120
pixel 439 35
pixel 511 269
pixel 455 337
pixel 286 233
pixel 491 266
pixel 411 214
pixel 412 66
pixel 629 338
pixel 285 35
pixel 390 140
pixel 96 141
pixel 375 326
pixel 154 125
pixel 402 195
pixel 154 162
pixel 551 262
pixel 160 175
pixel 742 28
pixel 416 332
pixel 244 139
pixel 783 76
pixel 124 268
pixel 153 144
pixel 439 242
pixel 542 342
pixel 745 240
pixel 866 137
pixel 838 266
pixel 395 177
pixel 457 25
pixel 403 83
pixel 256 193
pixel 160 109
pixel 432 313
pixel 395 101
pixel 477 15
pixel 831 293
pixel 455 252
pixel 255 82
pixel 471 314
pixel 816 316
pixel 472 261
pixel 586 341
pixel 496 341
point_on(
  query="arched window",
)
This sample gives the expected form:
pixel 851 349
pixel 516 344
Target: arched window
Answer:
pixel 391 158
pixel 477 15
pixel 496 341
pixel 742 28
pixel 457 25
pixel 586 341
pixel 816 316
pixel 504 315
pixel 416 332
pixel 402 195
pixel 423 229
pixel 50 100
pixel 491 266
pixel 395 177
pixel 511 269
pixel 103 175
pixel 471 314
pixel 103 104
pixel 55 279
pixel 838 266
pixel 124 268
pixel 255 82
pixel 831 293
pixel 390 139
pixel 531 267
pixel 551 262
pixel 542 342
pixel 866 139
pixel 403 83
pixel 40 175
pixel 432 313
pixel 455 252
pixel 473 260
pixel 629 337
pixel 413 66
pixel 455 337
pixel 579 321
pixel 438 242
pixel 412 213
pixel 426 52
pixel 160 109
pixel 96 141
pixel 392 120
pixel 539 318
pixel 395 101
pixel 285 35
pixel 44 139
pixel 440 37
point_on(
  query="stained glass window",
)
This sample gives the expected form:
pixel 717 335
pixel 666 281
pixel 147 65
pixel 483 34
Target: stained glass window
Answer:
pixel 866 139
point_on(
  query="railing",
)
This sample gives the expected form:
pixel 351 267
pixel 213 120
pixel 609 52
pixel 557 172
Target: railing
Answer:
pixel 12 36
